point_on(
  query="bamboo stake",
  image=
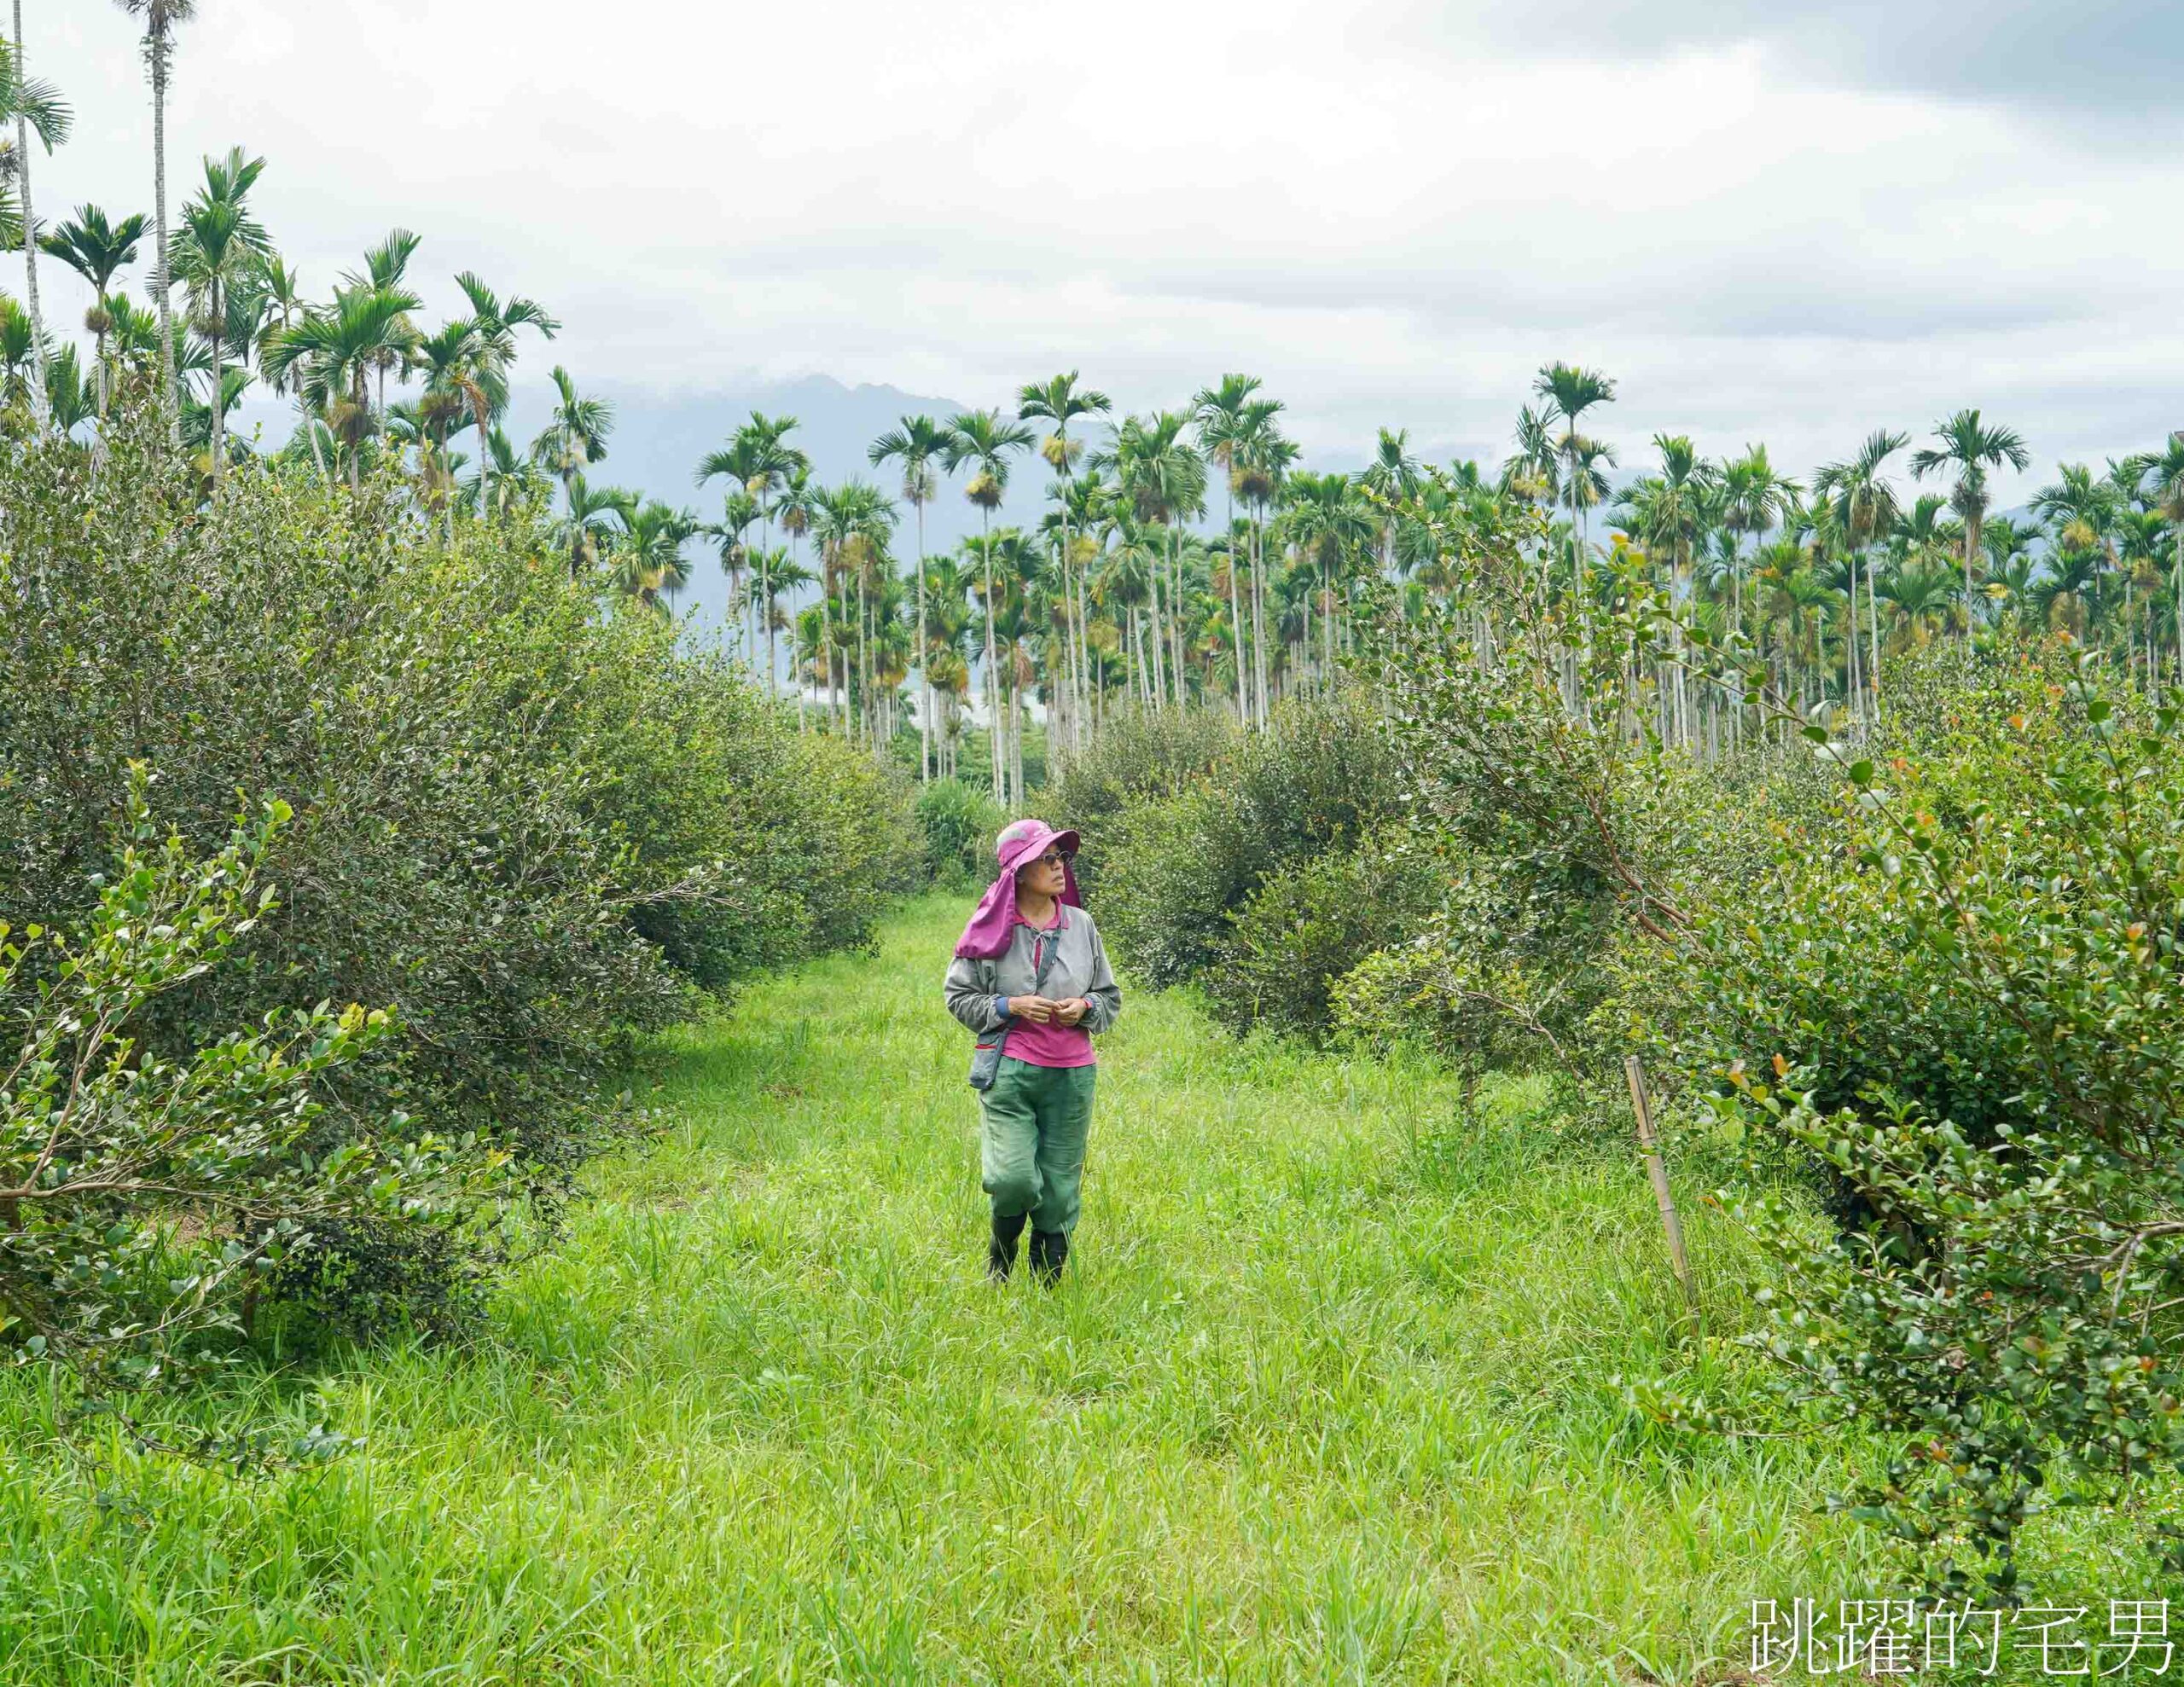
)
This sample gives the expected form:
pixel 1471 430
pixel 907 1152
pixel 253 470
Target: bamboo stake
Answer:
pixel 1658 1173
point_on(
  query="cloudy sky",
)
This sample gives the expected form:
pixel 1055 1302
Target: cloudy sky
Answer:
pixel 1789 221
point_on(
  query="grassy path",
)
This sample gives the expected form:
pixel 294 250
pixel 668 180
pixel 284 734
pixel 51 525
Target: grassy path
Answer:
pixel 1327 1397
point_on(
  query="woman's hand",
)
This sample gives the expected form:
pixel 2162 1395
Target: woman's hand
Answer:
pixel 1069 1012
pixel 1033 1008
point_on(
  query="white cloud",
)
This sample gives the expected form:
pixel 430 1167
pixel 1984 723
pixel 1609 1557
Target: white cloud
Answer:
pixel 1391 221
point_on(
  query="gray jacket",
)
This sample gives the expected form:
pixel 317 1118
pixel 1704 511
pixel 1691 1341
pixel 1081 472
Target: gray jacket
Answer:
pixel 978 989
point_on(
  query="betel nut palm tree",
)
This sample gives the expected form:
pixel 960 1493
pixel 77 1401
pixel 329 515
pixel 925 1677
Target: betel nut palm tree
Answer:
pixel 1968 449
pixel 333 353
pixel 1225 418
pixel 575 435
pixel 493 323
pixel 160 18
pixel 30 106
pixel 98 250
pixel 1059 400
pixel 1570 392
pixel 917 445
pixel 220 247
pixel 983 440
pixel 755 462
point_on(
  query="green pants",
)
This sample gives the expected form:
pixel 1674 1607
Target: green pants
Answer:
pixel 1031 1141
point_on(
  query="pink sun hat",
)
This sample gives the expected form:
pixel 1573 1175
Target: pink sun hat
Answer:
pixel 986 934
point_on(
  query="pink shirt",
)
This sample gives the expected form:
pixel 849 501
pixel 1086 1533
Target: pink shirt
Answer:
pixel 1047 1044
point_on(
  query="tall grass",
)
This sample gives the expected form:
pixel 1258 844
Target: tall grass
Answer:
pixel 1326 1396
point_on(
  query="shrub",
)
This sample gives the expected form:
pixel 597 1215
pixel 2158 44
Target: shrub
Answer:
pixel 1179 871
pixel 2004 1305
pixel 1490 975
pixel 1947 975
pixel 143 1199
pixel 1839 983
pixel 1174 869
pixel 1140 754
pixel 529 827
pixel 1569 838
pixel 1311 922
pixel 960 824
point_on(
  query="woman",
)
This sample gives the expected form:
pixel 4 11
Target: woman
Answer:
pixel 1031 977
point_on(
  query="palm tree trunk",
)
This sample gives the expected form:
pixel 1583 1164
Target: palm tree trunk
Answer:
pixel 219 383
pixel 1175 617
pixel 356 452
pixel 1159 680
pixel 1853 691
pixel 1087 661
pixel 1584 545
pixel 1060 675
pixel 41 411
pixel 1258 617
pixel 924 680
pixel 1236 605
pixel 758 580
pixel 1080 666
pixel 986 680
pixel 2130 635
pixel 1088 655
pixel 1305 631
pixel 1068 618
pixel 1079 686
pixel 1327 631
pixel 1873 638
pixel 161 275
pixel 1016 713
pixel 1970 550
pixel 842 660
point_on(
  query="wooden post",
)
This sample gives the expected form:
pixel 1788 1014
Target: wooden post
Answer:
pixel 1660 1175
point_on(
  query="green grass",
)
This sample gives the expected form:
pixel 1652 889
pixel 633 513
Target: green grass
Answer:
pixel 1327 1396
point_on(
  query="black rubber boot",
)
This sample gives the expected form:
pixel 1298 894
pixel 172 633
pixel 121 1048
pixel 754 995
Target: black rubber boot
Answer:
pixel 1049 1253
pixel 1000 1251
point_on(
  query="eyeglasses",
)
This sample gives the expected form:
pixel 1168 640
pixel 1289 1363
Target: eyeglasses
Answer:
pixel 1054 858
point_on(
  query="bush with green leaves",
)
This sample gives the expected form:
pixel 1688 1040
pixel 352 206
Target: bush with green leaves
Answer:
pixel 530 826
pixel 147 1198
pixel 1139 754
pixel 1311 923
pixel 1565 839
pixel 1938 967
pixel 962 825
pixel 1491 974
pixel 1966 1010
pixel 1179 873
pixel 1849 991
